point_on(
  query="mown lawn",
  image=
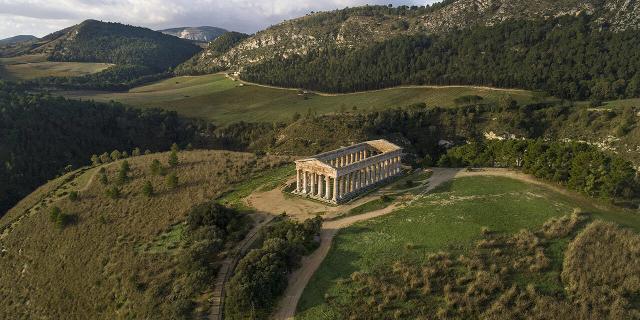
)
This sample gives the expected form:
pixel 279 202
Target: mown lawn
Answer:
pixel 449 219
pixel 265 181
pixel 215 97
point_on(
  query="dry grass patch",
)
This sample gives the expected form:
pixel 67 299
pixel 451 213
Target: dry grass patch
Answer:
pixel 121 258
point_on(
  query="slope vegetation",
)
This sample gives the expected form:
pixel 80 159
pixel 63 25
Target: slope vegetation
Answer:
pixel 479 247
pixel 132 254
pixel 362 26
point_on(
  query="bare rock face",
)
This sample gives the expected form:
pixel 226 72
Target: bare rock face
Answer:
pixel 202 34
pixel 351 28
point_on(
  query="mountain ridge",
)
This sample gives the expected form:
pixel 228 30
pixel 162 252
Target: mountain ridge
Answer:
pixel 200 34
pixel 355 27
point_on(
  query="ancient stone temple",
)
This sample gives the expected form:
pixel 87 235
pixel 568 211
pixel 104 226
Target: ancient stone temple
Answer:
pixel 340 175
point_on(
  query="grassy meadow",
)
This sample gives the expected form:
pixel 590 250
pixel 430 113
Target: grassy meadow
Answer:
pixel 449 219
pixel 36 66
pixel 118 257
pixel 218 98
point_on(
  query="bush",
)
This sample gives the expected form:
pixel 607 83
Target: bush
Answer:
pixel 155 167
pixel 113 192
pixel 173 159
pixel 172 181
pixel 73 195
pixel 147 189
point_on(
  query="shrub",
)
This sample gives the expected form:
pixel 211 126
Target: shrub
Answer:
pixel 173 159
pixel 113 192
pixel 73 195
pixel 105 158
pixel 95 160
pixel 172 180
pixel 155 167
pixel 116 155
pixel 147 189
pixel 135 152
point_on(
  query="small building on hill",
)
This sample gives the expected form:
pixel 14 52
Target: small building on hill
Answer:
pixel 340 175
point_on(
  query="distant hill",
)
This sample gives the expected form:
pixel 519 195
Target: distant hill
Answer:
pixel 363 26
pixel 96 41
pixel 17 39
pixel 203 34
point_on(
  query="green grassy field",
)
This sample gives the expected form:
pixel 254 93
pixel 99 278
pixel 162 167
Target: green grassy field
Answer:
pixel 218 98
pixel 451 219
pixel 36 66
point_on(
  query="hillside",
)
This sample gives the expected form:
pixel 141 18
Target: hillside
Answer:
pixel 42 135
pixel 96 41
pixel 362 26
pixel 17 39
pixel 200 34
pixel 124 256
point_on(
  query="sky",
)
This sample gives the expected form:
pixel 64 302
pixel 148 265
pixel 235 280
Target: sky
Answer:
pixel 41 17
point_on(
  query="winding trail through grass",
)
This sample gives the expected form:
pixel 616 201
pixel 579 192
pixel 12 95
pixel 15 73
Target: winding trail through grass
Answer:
pixel 299 279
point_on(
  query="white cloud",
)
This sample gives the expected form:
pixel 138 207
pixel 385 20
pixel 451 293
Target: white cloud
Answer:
pixel 40 17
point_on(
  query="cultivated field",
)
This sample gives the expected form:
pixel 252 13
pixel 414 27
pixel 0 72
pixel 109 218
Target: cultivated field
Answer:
pixel 449 219
pixel 218 98
pixel 36 66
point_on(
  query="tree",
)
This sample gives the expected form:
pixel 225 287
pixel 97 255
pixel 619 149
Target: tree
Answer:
pixel 172 180
pixel 73 195
pixel 54 213
pixel 135 152
pixel 113 192
pixel 105 158
pixel 173 159
pixel 123 173
pixel 95 160
pixel 155 167
pixel 103 177
pixel 147 189
pixel 174 147
pixel 116 155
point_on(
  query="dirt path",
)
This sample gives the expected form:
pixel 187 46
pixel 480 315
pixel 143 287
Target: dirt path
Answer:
pixel 298 280
pixel 325 94
pixel 228 265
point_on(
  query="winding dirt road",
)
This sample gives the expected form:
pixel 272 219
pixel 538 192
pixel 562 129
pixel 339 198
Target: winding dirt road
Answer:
pixel 299 279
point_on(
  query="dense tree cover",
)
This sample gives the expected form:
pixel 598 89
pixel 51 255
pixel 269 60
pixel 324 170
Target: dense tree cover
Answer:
pixel 581 167
pixel 41 135
pixel 261 276
pixel 210 228
pixel 96 41
pixel 570 57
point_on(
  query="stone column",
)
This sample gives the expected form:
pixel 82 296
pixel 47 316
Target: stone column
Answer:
pixel 341 186
pixel 313 183
pixel 327 187
pixel 304 182
pixel 297 180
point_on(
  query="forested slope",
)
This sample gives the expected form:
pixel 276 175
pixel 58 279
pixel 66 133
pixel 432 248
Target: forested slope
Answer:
pixel 41 135
pixel 570 57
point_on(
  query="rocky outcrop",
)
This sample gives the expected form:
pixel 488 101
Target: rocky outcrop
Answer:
pixel 355 27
